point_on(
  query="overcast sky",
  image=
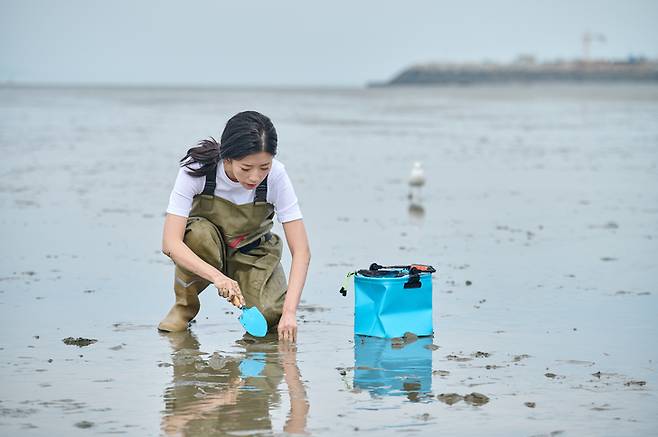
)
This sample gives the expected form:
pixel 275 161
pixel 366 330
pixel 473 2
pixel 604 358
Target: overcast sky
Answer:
pixel 299 42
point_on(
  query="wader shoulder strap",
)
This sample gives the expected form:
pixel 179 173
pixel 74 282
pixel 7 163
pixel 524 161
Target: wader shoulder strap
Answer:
pixel 211 181
pixel 261 192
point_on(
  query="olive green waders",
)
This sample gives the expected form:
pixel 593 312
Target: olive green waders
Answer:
pixel 235 239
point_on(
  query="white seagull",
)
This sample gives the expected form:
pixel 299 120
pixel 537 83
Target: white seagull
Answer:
pixel 417 176
pixel 416 181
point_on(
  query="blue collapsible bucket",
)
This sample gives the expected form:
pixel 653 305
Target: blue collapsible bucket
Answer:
pixel 389 301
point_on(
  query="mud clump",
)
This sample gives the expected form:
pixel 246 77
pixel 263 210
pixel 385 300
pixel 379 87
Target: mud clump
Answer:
pixel 518 358
pixel 431 347
pixel 409 337
pixel 413 390
pixel 480 354
pixel 80 342
pixel 468 283
pixel 84 424
pixel 530 404
pixel 450 398
pixel 397 342
pixel 440 372
pixel 550 375
pixel 400 342
pixel 476 399
pixel 246 341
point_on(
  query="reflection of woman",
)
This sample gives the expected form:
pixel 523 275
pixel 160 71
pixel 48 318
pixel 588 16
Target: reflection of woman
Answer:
pixel 209 396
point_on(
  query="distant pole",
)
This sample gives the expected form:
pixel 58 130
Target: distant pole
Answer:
pixel 587 40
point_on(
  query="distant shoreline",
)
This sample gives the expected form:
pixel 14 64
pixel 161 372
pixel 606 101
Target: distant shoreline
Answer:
pixel 527 71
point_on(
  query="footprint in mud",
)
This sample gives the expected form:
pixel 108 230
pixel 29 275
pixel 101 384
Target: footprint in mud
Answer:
pixel 493 366
pixel 624 292
pixel 604 407
pixel 635 383
pixel 458 358
pixel 521 357
pixel 608 225
pixel 578 362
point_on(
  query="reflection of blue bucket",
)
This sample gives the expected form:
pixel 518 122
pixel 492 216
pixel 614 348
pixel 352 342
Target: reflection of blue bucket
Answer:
pixel 384 370
pixel 253 366
pixel 387 306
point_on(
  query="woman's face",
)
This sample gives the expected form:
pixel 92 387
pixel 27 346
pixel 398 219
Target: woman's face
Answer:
pixel 250 170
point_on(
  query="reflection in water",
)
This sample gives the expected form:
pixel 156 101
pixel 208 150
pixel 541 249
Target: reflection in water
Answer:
pixel 385 369
pixel 220 394
pixel 416 211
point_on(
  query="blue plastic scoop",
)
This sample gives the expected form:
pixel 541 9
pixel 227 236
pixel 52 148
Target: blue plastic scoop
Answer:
pixel 253 321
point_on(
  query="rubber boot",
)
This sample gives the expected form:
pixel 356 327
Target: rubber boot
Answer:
pixel 186 288
pixel 204 239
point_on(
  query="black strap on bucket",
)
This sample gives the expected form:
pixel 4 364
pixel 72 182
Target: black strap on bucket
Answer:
pixel 378 271
pixel 414 279
pixel 419 267
pixel 414 272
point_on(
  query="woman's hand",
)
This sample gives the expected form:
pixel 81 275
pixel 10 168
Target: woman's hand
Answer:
pixel 230 290
pixel 288 326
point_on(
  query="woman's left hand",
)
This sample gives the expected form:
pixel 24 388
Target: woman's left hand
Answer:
pixel 288 327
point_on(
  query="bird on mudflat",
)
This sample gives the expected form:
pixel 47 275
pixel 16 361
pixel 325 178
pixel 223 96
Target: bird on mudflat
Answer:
pixel 416 181
pixel 417 176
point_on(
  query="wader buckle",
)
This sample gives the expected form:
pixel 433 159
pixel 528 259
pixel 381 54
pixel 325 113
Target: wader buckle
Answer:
pixel 254 244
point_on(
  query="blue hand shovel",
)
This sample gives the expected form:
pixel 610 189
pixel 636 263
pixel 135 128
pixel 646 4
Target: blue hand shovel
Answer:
pixel 253 321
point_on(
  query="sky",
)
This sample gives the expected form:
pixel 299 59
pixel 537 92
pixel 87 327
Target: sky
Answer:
pixel 299 42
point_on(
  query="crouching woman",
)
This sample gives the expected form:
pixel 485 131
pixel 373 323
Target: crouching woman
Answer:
pixel 218 227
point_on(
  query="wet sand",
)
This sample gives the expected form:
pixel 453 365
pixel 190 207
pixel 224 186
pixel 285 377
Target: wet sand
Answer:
pixel 540 214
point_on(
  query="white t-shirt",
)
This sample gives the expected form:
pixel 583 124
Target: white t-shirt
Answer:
pixel 280 192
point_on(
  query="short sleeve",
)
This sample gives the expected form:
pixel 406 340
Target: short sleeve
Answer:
pixel 185 188
pixel 285 201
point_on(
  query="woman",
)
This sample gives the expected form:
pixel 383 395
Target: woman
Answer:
pixel 218 222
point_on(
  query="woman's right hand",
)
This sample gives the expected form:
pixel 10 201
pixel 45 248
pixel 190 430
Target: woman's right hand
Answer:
pixel 230 290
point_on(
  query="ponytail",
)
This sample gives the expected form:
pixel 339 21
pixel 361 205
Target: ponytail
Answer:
pixel 206 153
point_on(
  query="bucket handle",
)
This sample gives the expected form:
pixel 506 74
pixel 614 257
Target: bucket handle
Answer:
pixel 419 267
pixel 343 288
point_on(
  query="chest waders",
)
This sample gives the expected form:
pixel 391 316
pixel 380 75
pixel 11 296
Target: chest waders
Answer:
pixel 236 240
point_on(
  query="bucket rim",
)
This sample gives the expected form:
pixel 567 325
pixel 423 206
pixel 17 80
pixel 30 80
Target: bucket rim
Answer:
pixel 404 278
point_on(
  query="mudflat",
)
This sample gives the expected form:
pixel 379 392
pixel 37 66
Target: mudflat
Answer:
pixel 540 213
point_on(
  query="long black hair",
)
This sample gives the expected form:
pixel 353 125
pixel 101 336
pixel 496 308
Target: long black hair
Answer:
pixel 245 133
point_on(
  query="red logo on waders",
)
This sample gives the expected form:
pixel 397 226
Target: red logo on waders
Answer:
pixel 237 240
